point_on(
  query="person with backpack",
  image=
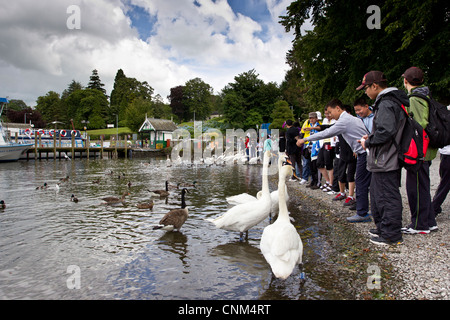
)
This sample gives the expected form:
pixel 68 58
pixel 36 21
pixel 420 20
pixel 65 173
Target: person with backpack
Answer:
pixel 423 219
pixel 382 159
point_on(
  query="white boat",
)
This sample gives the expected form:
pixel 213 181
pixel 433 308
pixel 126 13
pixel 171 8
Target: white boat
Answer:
pixel 9 151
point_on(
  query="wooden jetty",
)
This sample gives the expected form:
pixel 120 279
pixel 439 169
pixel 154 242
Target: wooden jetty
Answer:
pixel 57 150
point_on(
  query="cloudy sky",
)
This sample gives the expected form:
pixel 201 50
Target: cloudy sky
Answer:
pixel 163 42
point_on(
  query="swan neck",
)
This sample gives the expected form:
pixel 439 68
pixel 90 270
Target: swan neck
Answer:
pixel 265 180
pixel 283 211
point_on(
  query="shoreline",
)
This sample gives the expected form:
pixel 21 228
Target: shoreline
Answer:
pixel 419 268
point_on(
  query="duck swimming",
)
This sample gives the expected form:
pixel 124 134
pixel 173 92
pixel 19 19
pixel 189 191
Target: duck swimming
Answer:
pixel 114 200
pixel 174 219
pixel 73 198
pixel 44 186
pixel 145 205
pixel 162 193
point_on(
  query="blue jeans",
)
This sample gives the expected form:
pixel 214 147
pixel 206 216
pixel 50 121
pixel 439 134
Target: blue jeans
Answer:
pixel 306 172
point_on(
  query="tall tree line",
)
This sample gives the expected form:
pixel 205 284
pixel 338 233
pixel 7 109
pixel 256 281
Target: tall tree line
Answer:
pixel 89 106
pixel 331 60
pixel 245 103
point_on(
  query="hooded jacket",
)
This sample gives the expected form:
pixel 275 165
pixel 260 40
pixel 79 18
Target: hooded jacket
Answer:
pixel 388 123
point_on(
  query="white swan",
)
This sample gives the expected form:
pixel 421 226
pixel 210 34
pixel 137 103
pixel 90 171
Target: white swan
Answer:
pixel 253 160
pixel 280 242
pixel 275 194
pixel 241 198
pixel 245 197
pixel 244 216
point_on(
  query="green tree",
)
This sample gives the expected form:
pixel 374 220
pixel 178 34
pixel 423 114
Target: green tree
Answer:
pixel 264 98
pixel 197 98
pixel 280 114
pixel 49 106
pixel 73 86
pixel 124 92
pixel 136 111
pixel 17 105
pixel 234 111
pixel 253 94
pixel 161 110
pixel 88 105
pixel 253 119
pixel 95 82
pixel 246 85
pixel 332 59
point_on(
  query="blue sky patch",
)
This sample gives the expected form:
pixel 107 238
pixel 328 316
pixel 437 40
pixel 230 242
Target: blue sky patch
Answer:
pixel 141 20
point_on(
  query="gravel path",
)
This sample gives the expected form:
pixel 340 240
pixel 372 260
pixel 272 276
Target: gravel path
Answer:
pixel 421 263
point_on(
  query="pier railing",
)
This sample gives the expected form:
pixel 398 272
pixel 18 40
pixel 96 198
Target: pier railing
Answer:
pixel 62 148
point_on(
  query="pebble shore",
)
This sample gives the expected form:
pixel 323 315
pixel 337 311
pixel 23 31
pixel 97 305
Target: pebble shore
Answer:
pixel 421 265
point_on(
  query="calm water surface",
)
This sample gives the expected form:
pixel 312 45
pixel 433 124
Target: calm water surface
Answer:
pixel 117 253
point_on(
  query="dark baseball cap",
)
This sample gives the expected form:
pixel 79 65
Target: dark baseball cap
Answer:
pixel 414 76
pixel 371 77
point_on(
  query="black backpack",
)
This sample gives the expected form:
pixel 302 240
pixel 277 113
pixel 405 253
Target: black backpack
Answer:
pixel 438 127
pixel 413 144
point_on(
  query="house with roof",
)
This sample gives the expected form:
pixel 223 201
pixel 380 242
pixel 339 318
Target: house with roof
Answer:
pixel 158 132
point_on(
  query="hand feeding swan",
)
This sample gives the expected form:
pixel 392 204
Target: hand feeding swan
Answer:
pixel 280 242
pixel 244 216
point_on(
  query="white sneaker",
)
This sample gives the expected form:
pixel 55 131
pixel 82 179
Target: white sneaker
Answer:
pixel 303 181
pixel 332 192
pixel 414 231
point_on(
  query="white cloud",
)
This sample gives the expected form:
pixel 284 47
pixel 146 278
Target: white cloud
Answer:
pixel 38 53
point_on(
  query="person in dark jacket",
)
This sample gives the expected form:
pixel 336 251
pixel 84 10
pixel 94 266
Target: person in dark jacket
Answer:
pixel 282 142
pixel 292 150
pixel 382 159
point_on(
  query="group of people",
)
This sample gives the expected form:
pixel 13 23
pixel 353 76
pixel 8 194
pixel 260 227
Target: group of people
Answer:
pixel 359 154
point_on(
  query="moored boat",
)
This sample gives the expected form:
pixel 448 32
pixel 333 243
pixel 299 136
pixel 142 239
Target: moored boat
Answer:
pixel 9 151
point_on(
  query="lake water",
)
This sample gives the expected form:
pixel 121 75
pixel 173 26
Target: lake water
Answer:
pixel 52 248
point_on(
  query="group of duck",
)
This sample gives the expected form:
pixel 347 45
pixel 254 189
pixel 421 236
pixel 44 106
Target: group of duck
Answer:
pixel 113 200
pixel 57 187
pixel 280 242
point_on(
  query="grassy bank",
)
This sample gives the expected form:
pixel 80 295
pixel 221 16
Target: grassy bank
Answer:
pixel 107 133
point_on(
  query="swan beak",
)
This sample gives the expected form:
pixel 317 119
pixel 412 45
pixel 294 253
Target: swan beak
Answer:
pixel 286 163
